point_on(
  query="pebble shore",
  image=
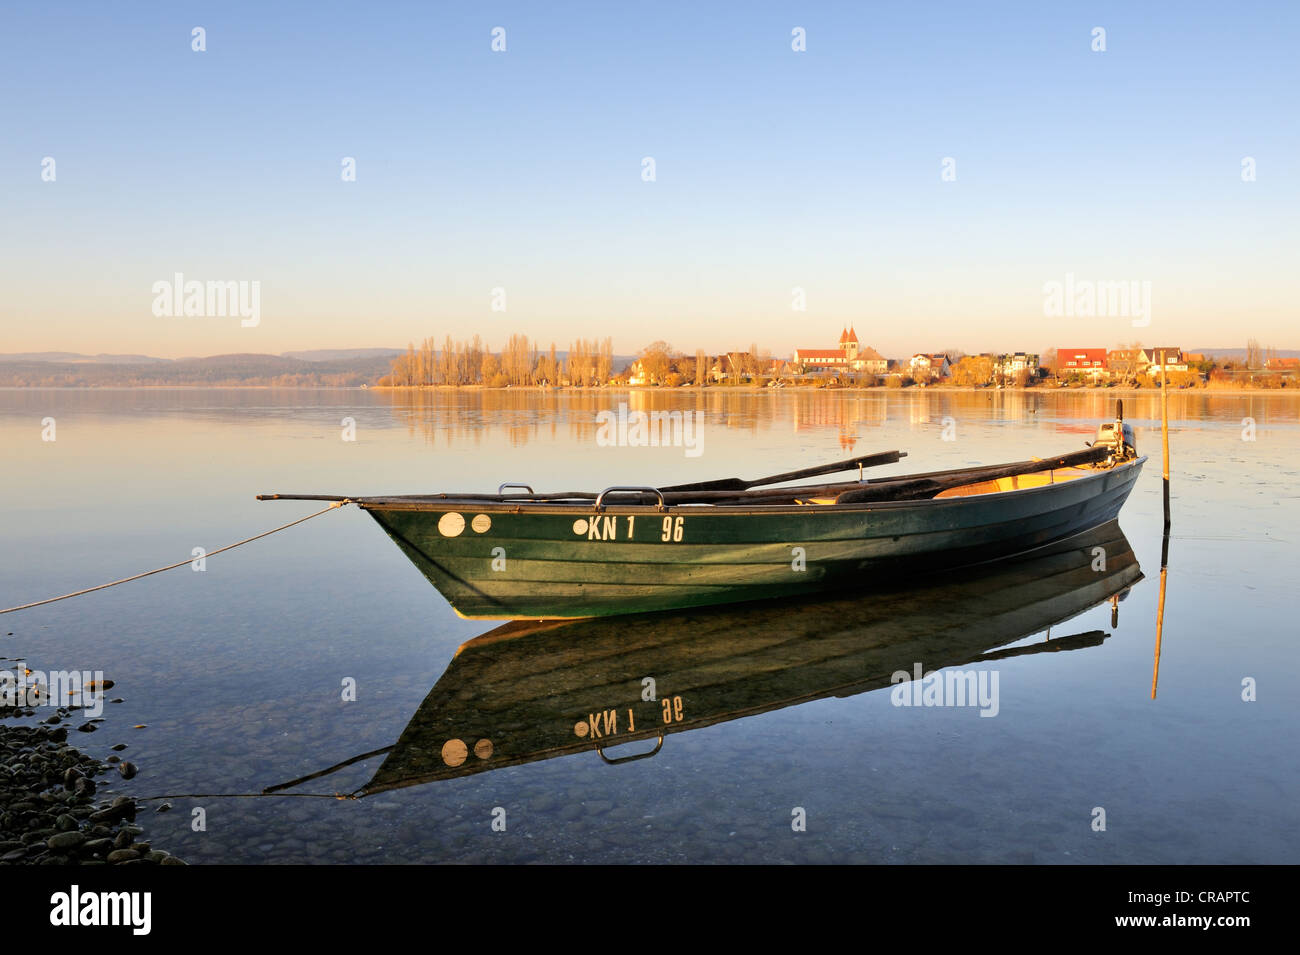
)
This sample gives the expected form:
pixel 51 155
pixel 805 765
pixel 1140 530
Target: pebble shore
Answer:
pixel 49 813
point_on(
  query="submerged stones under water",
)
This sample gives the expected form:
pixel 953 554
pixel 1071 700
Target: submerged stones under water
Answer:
pixel 48 811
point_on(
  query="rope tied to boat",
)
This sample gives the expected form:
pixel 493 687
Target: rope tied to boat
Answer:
pixel 180 563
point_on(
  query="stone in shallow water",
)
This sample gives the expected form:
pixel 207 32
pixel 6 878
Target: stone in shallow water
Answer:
pixel 65 840
pixel 113 813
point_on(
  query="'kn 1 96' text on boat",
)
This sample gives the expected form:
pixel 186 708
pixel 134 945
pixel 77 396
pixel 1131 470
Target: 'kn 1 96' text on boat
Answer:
pixel 518 554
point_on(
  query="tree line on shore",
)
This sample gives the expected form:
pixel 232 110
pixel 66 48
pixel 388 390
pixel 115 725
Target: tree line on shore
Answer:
pixel 520 363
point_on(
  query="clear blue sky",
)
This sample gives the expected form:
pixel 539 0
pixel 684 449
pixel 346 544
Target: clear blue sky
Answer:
pixel 522 170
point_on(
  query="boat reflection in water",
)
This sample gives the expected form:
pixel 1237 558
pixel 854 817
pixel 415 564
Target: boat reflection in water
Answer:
pixel 531 691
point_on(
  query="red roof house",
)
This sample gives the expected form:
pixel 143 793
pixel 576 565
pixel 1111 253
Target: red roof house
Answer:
pixel 1086 361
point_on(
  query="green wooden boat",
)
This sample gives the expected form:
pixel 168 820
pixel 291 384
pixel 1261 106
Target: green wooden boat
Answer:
pixel 518 554
pixel 530 690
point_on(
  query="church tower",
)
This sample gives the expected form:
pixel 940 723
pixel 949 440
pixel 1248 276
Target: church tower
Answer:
pixel 849 344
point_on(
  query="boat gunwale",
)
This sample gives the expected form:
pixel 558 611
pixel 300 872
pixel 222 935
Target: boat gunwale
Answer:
pixel 436 503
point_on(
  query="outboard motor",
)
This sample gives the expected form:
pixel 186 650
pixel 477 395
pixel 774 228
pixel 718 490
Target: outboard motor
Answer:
pixel 1117 435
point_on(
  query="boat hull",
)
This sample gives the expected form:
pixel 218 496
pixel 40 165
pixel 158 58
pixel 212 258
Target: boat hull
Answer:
pixel 502 561
pixel 530 691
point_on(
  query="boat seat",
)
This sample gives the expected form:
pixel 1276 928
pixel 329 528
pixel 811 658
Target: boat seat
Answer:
pixel 1017 482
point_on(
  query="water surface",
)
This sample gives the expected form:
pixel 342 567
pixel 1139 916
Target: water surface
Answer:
pixel 237 673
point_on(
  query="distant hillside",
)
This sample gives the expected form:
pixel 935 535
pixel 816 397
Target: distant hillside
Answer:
pixel 214 371
pixel 74 357
pixel 331 354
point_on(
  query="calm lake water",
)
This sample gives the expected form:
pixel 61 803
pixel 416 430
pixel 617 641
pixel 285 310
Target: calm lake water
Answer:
pixel 237 673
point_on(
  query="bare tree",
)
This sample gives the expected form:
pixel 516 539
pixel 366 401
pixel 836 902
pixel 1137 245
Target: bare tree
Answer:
pixel 973 370
pixel 517 361
pixel 656 358
pixel 605 361
pixel 1050 361
pixel 474 359
pixel 403 371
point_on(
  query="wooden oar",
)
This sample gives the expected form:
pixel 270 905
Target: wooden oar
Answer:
pixel 740 484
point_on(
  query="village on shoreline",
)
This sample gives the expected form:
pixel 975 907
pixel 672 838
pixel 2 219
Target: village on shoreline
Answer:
pixel 592 364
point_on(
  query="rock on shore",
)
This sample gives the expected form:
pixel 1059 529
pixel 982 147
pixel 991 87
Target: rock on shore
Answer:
pixel 48 812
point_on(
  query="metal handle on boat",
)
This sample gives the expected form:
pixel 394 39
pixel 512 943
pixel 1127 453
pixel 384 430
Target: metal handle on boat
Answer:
pixel 600 498
pixel 631 759
pixel 501 489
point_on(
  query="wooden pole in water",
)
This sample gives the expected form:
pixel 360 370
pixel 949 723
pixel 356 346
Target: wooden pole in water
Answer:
pixel 1164 428
pixel 1160 626
pixel 1164 548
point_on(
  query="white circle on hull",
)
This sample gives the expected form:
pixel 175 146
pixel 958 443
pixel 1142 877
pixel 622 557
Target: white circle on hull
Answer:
pixel 451 524
pixel 580 526
pixel 454 752
pixel 481 523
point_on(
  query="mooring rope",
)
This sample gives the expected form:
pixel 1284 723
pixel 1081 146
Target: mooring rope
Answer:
pixel 269 790
pixel 261 795
pixel 180 563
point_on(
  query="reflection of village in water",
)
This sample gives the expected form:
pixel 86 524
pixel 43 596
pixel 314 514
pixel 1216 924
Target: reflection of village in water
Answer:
pixel 530 691
pixel 447 417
